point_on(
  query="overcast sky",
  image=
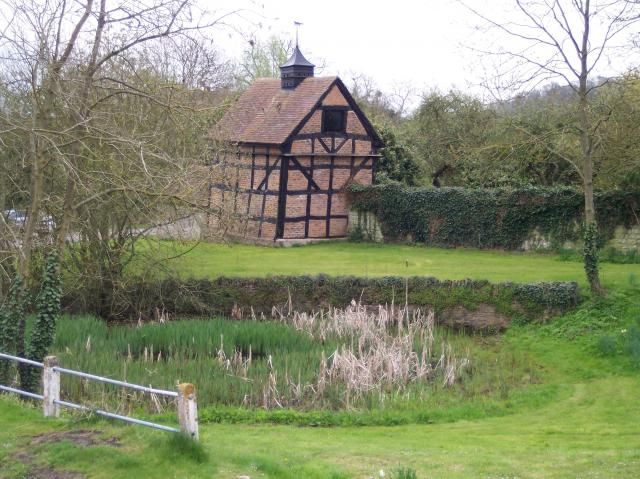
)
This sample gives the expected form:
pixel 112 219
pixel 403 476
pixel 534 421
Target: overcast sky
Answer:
pixel 424 43
pixel 394 42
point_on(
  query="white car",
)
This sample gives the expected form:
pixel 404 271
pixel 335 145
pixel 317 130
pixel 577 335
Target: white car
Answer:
pixel 15 217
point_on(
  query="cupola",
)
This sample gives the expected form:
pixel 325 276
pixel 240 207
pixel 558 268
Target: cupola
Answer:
pixel 296 69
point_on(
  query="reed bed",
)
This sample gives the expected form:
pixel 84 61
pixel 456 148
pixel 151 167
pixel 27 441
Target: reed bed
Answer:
pixel 357 357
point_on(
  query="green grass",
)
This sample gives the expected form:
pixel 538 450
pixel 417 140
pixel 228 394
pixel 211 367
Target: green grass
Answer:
pixel 588 429
pixel 556 403
pixel 209 260
pixel 579 420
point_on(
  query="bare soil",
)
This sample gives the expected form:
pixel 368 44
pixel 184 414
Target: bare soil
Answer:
pixel 81 438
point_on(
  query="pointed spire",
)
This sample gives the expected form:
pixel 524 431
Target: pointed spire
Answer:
pixel 297 59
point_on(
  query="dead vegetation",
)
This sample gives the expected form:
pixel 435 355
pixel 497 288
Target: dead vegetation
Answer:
pixel 382 351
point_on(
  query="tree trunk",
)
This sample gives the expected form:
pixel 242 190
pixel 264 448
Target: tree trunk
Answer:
pixel 5 242
pixel 82 118
pixel 33 213
pixel 590 255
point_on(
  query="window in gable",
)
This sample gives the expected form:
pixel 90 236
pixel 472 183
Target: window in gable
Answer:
pixel 334 121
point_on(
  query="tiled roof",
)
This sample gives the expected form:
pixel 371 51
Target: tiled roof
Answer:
pixel 267 113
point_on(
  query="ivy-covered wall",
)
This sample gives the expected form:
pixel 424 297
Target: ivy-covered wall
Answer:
pixel 244 297
pixel 496 218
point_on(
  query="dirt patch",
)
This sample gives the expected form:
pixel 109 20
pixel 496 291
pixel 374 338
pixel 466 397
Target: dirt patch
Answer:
pixel 42 472
pixel 82 437
pixel 485 318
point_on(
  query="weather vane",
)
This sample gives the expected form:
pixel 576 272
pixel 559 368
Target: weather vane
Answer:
pixel 297 24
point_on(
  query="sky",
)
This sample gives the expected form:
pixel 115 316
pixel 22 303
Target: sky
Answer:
pixel 397 43
pixel 422 44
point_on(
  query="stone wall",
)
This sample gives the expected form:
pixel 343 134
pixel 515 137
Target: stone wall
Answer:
pixel 626 239
pixel 366 226
pixel 468 304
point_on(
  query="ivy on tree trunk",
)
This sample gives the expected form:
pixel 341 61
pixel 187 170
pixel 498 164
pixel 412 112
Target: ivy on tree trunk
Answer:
pixel 12 325
pixel 590 254
pixel 48 309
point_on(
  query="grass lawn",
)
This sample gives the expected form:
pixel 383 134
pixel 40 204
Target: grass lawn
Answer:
pixel 581 420
pixel 588 429
pixel 577 416
pixel 356 259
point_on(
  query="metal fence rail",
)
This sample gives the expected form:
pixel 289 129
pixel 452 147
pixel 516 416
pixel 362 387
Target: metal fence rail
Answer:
pixel 21 360
pixel 185 396
pixel 111 415
pixel 115 382
pixel 21 392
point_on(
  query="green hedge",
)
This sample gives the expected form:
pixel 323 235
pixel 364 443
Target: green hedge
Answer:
pixel 204 297
pixel 496 218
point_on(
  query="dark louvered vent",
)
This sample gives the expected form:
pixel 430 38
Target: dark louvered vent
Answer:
pixel 296 69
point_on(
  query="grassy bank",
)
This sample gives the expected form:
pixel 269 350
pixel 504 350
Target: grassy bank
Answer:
pixel 542 400
pixel 584 426
pixel 583 434
pixel 209 260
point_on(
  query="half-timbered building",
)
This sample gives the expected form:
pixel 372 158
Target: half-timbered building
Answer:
pixel 290 147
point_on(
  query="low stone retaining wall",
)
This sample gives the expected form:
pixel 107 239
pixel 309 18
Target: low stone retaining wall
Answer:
pixel 477 305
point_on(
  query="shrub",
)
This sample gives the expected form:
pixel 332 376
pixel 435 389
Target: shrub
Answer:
pixel 607 345
pixel 244 297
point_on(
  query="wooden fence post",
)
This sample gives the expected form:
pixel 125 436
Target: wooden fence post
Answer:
pixel 50 387
pixel 188 410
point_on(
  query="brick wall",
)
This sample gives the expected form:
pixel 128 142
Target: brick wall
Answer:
pixel 241 210
pixel 317 202
pixel 331 200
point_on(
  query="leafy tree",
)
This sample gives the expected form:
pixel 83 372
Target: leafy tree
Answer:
pixel 386 111
pixel 396 161
pixel 452 133
pixel 262 59
pixel 618 158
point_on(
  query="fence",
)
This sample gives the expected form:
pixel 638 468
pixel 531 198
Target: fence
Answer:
pixel 50 397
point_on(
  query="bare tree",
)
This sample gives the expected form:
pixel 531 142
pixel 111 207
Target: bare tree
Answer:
pixel 392 104
pixel 567 40
pixel 94 118
pixel 262 59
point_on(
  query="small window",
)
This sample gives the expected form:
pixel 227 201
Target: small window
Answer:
pixel 334 121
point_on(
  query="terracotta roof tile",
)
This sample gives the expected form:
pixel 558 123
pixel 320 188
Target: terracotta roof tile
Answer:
pixel 267 113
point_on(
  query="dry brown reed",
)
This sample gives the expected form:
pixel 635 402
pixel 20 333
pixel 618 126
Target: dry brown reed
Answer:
pixel 383 350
